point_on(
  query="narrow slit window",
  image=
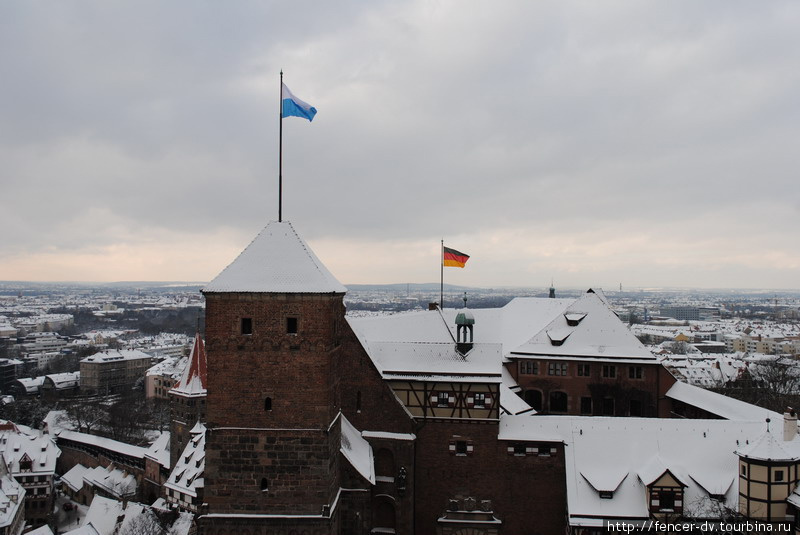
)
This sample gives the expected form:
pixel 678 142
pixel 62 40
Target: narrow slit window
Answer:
pixel 247 325
pixel 268 404
pixel 291 325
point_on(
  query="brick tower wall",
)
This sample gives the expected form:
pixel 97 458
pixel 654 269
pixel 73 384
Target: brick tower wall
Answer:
pixel 282 444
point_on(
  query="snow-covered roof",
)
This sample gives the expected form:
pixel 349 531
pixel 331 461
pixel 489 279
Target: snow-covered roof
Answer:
pixel 400 359
pixel 510 403
pixel 276 261
pixel 722 406
pixel 74 477
pixel 423 342
pixel 32 385
pixel 102 442
pixel 159 450
pixel 41 530
pixel 103 514
pixel 698 453
pixel 117 354
pixel 768 447
pixel 187 475
pixel 12 496
pixel 193 380
pixel 357 450
pixel 39 449
pixel 114 481
pixel 63 381
pixel 587 329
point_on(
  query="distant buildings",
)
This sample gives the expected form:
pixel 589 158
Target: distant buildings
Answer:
pixel 113 371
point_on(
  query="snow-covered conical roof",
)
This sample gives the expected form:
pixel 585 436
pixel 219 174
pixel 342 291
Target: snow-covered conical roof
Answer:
pixel 276 261
pixel 769 448
pixel 193 380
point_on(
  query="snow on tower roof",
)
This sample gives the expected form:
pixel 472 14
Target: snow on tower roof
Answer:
pixel 193 379
pixel 588 328
pixel 276 261
pixel 770 448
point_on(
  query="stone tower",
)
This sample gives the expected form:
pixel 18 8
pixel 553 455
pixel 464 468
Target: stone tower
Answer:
pixel 187 400
pixel 274 319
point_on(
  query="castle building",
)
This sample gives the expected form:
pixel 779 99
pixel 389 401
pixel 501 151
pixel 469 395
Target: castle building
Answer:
pixel 188 399
pixel 428 422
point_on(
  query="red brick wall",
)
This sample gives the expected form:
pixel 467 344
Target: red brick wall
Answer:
pixel 622 388
pixel 528 493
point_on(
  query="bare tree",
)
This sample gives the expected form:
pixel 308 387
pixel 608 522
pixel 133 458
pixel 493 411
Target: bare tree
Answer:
pixel 88 415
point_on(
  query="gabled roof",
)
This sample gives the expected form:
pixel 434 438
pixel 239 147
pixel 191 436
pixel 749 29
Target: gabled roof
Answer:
pixel 187 475
pixel 719 405
pixel 276 261
pixel 193 379
pixel 587 328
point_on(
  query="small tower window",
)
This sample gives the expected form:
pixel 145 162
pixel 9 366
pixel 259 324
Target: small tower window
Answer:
pixel 268 404
pixel 264 484
pixel 291 325
pixel 358 401
pixel 247 325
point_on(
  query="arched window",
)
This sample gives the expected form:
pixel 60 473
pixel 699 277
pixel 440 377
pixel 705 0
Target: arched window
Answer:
pixel 534 399
pixel 267 404
pixel 384 514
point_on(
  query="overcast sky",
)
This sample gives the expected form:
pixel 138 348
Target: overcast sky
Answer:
pixel 592 143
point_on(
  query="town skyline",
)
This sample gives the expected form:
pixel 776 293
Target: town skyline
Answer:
pixel 590 145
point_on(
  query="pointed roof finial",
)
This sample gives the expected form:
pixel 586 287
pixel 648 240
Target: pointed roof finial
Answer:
pixel 193 379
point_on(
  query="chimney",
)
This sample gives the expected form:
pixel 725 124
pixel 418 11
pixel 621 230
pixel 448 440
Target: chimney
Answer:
pixel 789 424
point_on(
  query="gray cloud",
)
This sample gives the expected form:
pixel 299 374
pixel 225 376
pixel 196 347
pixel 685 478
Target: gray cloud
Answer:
pixel 121 122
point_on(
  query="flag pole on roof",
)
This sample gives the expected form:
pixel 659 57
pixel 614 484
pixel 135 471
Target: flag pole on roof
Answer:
pixel 451 258
pixel 280 153
pixel 290 106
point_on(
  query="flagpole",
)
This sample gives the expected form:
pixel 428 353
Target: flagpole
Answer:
pixel 441 279
pixel 280 151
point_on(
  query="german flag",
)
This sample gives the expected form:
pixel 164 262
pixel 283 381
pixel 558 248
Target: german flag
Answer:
pixel 453 258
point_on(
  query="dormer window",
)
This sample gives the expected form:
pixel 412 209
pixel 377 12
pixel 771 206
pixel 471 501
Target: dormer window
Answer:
pixel 558 336
pixel 574 318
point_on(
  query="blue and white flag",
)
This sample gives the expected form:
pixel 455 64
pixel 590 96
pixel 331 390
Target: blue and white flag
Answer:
pixel 294 107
